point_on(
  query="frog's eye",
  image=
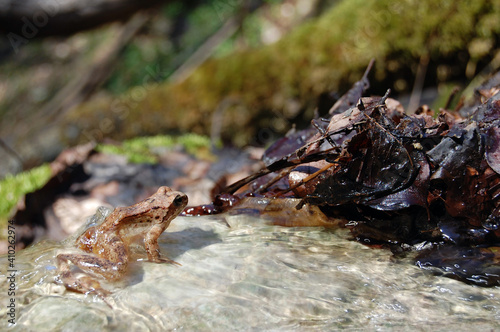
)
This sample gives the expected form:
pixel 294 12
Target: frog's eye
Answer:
pixel 179 200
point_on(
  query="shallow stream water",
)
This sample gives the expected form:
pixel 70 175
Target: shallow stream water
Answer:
pixel 253 276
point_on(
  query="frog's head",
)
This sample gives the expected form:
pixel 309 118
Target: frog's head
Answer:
pixel 173 201
pixel 161 207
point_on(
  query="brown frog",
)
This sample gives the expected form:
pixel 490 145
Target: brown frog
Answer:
pixel 106 245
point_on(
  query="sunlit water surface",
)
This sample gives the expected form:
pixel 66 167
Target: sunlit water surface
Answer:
pixel 253 276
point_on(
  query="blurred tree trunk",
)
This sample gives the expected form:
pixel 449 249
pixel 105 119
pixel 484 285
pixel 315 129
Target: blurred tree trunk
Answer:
pixel 22 20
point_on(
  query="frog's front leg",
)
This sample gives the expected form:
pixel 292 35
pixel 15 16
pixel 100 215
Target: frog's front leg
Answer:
pixel 152 247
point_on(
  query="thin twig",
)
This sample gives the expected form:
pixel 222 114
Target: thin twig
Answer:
pixel 416 93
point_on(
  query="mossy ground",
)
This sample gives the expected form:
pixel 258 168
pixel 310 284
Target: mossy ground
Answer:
pixel 145 149
pixel 13 187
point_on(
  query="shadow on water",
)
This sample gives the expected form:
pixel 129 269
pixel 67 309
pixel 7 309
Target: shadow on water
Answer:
pixel 177 243
pixel 172 245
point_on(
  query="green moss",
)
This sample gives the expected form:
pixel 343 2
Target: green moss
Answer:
pixel 194 144
pixel 133 156
pixel 13 187
pixel 146 149
pixel 281 80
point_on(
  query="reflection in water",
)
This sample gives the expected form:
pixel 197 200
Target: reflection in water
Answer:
pixel 255 276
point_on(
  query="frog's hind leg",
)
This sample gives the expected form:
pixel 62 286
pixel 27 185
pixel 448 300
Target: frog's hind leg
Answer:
pixel 83 284
pixel 95 266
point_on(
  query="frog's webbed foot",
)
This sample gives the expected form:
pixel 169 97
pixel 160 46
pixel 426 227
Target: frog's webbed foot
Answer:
pixel 164 260
pixel 155 256
pixel 83 284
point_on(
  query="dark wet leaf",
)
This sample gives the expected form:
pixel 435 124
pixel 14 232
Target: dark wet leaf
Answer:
pixel 488 112
pixel 350 99
pixel 478 266
pixel 451 156
pixel 414 195
pixel 492 147
pixel 379 165
pixel 287 145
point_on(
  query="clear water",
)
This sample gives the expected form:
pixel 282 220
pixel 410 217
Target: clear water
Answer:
pixel 254 276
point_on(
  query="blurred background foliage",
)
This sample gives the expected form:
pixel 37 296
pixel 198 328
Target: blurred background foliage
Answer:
pixel 242 71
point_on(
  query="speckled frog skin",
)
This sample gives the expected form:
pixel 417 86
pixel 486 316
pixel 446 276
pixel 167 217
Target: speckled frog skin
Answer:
pixel 106 246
